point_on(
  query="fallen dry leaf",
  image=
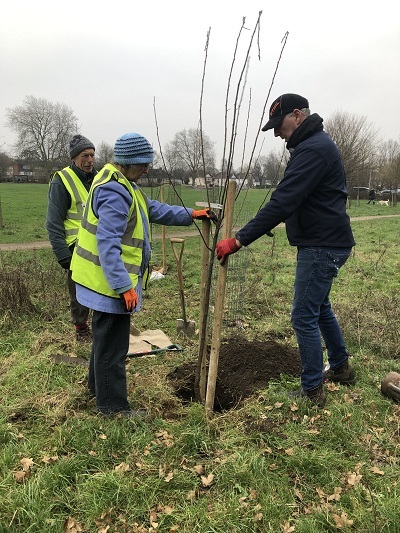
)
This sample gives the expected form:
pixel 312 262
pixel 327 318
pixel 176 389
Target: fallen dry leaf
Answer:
pixel 331 386
pixel 153 518
pixel 298 495
pixel 289 451
pixel 168 477
pixel 165 438
pixel 207 481
pixel 191 495
pixel 72 526
pixel 336 494
pixel 26 463
pixel 278 405
pixel 376 470
pixel 353 479
pixel 122 467
pixel 146 450
pixel 102 436
pixel 20 476
pixel 199 469
pixel 287 528
pixel 47 460
pixel 342 521
pixel 267 450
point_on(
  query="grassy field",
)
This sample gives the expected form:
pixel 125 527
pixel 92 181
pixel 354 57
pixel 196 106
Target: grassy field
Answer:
pixel 267 465
pixel 24 207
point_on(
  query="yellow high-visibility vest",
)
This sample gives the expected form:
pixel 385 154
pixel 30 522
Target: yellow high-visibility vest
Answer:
pixel 79 196
pixel 85 265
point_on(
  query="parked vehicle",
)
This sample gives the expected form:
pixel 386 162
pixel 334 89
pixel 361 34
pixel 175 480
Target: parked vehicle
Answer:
pixel 359 192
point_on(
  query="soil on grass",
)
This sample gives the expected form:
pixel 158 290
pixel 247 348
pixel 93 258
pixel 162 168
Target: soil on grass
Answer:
pixel 244 367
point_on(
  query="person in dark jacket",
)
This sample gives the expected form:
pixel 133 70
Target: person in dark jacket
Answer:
pixel 68 192
pixel 371 196
pixel 311 200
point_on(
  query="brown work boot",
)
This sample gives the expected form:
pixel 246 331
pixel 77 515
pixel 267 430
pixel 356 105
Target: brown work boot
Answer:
pixel 343 374
pixel 83 333
pixel 315 396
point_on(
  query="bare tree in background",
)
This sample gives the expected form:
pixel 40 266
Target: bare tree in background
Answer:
pixel 389 165
pixel 270 169
pixel 5 162
pixel 44 130
pixel 356 140
pixel 104 154
pixel 187 150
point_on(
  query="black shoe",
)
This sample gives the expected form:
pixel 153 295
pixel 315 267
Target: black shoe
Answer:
pixel 83 334
pixel 343 374
pixel 127 413
pixel 89 393
pixel 315 396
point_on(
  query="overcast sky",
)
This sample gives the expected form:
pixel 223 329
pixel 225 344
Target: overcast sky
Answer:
pixel 110 61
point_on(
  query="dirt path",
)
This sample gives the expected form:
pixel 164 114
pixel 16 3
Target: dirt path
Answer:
pixel 184 233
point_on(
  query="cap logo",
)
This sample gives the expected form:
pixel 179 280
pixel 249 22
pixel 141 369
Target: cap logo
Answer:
pixel 274 108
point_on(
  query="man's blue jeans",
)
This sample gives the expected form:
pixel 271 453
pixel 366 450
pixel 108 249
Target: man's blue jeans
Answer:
pixel 312 314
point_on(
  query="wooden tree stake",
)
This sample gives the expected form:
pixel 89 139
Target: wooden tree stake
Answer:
pixel 163 249
pixel 205 260
pixel 219 302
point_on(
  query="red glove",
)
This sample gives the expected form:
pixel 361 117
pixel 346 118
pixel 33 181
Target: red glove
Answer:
pixel 203 214
pixel 226 247
pixel 129 299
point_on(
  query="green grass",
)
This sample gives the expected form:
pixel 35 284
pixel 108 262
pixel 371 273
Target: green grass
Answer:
pixel 24 207
pixel 275 466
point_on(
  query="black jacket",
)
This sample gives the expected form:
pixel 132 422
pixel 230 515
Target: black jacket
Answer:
pixel 311 197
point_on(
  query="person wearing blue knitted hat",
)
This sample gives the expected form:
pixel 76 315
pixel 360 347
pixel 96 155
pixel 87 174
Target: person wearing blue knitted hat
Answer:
pixel 110 265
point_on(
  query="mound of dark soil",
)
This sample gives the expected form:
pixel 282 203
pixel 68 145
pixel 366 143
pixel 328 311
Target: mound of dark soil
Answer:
pixel 244 366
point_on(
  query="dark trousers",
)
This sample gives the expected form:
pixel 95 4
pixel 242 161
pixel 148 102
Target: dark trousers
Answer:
pixel 107 372
pixel 79 313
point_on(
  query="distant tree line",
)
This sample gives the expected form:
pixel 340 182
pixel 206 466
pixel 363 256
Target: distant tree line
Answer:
pixel 44 129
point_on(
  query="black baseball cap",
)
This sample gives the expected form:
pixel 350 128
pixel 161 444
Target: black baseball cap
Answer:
pixel 282 106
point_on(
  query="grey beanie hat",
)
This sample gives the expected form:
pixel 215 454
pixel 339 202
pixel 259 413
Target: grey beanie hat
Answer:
pixel 133 149
pixel 77 144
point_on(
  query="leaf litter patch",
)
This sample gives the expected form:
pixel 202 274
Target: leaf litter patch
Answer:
pixel 244 366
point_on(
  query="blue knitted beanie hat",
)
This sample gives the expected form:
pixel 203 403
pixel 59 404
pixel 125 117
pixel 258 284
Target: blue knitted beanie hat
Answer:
pixel 133 149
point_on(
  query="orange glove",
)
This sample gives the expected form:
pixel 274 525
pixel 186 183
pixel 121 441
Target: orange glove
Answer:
pixel 226 247
pixel 129 299
pixel 202 214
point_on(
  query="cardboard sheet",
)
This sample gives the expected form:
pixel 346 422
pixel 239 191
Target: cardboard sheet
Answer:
pixel 146 340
